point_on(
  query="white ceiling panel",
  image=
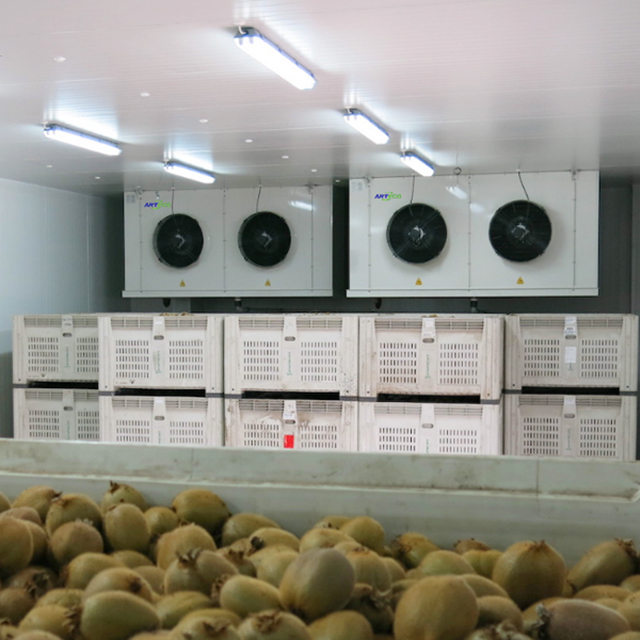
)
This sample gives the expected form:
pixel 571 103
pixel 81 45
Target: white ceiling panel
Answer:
pixel 484 85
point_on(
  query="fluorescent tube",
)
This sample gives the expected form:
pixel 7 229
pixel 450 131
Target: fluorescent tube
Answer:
pixel 417 164
pixel 273 57
pixel 84 140
pixel 366 126
pixel 190 173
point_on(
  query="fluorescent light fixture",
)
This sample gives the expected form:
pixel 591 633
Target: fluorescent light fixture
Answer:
pixel 273 57
pixel 366 126
pixel 299 204
pixel 416 163
pixel 190 173
pixel 78 139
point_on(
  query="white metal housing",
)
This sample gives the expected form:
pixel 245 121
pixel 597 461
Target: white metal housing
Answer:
pixel 62 348
pixel 161 352
pixel 588 350
pixel 177 421
pixel 428 355
pixel 307 352
pixel 571 426
pixel 468 265
pixel 441 428
pixel 56 414
pixel 319 425
pixel 221 269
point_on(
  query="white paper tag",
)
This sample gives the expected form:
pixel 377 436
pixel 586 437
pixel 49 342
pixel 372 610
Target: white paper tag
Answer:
pixel 570 355
pixel 570 328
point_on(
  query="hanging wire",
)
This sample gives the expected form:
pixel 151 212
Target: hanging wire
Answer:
pixel 258 199
pixel 413 189
pixel 522 184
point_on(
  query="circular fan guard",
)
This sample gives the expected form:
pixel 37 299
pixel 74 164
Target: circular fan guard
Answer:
pixel 520 231
pixel 178 240
pixel 264 239
pixel 416 233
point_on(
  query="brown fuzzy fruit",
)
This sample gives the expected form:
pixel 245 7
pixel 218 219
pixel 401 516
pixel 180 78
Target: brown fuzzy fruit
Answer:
pixel 462 546
pixel 119 579
pixel 4 503
pixel 483 562
pixel 181 541
pixel 323 539
pixel 52 618
pixel 440 563
pixel 607 563
pixel 632 583
pixel 40 542
pixel 196 571
pixel 132 559
pixel 369 568
pixel 331 522
pixel 411 548
pixel 116 615
pixel 36 580
pixel 436 608
pixel 530 571
pixel 598 591
pixel 67 598
pixel 495 609
pixel 317 583
pixel 23 513
pixel 630 609
pixel 273 625
pixel 16 546
pixel 79 572
pixel 579 620
pixel 161 520
pixel 239 560
pixel 242 525
pixel 215 614
pixel 154 576
pixel 119 493
pixel 342 625
pixel 244 595
pixel 174 607
pixel 15 603
pixel 483 586
pixel 126 528
pixel 376 607
pixel 272 568
pixel 203 629
pixel 367 531
pixel 270 536
pixel 203 507
pixel 70 507
pixel 72 539
pixel 396 570
pixel 39 498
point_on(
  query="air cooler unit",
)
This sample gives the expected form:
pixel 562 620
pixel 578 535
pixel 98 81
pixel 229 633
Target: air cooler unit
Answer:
pixel 491 235
pixel 234 242
pixel 173 249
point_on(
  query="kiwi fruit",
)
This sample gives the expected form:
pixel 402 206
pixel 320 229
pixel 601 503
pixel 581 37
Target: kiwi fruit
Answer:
pixel 40 542
pixel 16 546
pixel 38 497
pixel 196 570
pixel 578 620
pixel 244 595
pixel 609 562
pixel 239 560
pixel 116 615
pixel 119 579
pixel 51 618
pixel 161 520
pixel 204 629
pixel 70 507
pixel 632 583
pixel 323 539
pixel 203 507
pixel 174 607
pixel 350 545
pixel 462 546
pixel 154 576
pixel 126 528
pixel 214 614
pixel 495 609
pixel 369 568
pixel 530 614
pixel 436 608
pixel 119 493
pixel 630 609
pixel 272 568
pixel 398 588
pixel 15 603
pixel 483 562
pixel 483 586
pixel 612 603
pixel 439 563
pixel 242 525
pixel 341 625
pixel 36 580
pixel 23 513
pixel 79 572
pixel 376 607
pixel 317 583
pixel 598 591
pixel 504 630
pixel 331 522
pixel 627 635
pixel 530 571
pixel 367 531
pixel 270 536
pixel 180 541
pixel 68 598
pixel 72 539
pixel 5 505
pixel 411 548
pixel 273 625
pixel 395 569
pixel 132 559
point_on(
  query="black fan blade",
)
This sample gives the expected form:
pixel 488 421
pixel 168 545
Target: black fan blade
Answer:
pixel 520 231
pixel 264 239
pixel 178 241
pixel 416 233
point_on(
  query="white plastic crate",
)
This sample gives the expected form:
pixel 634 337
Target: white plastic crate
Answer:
pixel 312 353
pixel 320 425
pixel 161 352
pixel 434 428
pixel 176 421
pixel 553 350
pixel 56 414
pixel 571 426
pixel 431 355
pixel 62 348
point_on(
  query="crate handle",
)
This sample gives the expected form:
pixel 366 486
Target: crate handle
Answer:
pixel 68 408
pixel 67 335
pixel 158 337
pixel 289 421
pixel 427 425
pixel 428 340
pixel 158 417
pixel 289 338
pixel 570 415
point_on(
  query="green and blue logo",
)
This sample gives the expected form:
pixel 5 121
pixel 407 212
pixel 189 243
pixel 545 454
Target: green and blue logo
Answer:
pixel 387 196
pixel 156 205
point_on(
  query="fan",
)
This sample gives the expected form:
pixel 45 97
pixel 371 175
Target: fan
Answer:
pixel 416 233
pixel 520 231
pixel 264 239
pixel 178 240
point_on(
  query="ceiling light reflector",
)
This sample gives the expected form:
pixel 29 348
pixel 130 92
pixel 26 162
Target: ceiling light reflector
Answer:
pixel 366 126
pixel 83 140
pixel 190 173
pixel 273 57
pixel 416 163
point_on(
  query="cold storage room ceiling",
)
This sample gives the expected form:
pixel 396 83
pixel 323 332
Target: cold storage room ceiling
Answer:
pixel 485 85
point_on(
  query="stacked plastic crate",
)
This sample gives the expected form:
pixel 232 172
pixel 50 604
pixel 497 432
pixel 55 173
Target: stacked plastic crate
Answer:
pixel 161 379
pixel 55 377
pixel 431 384
pixel 571 384
pixel 291 381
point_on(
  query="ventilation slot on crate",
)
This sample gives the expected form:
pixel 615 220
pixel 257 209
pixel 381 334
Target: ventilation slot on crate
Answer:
pixel 261 360
pixel 541 437
pixel 599 358
pixel 186 432
pixel 133 431
pixel 88 355
pixel 42 355
pixel 261 435
pixel 399 363
pixel 397 439
pixel 88 424
pixel 319 361
pixel 458 364
pixel 186 359
pixel 463 441
pixel 598 438
pixel 319 437
pixel 132 359
pixel 542 358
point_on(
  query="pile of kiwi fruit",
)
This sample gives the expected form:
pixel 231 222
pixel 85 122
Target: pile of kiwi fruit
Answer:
pixel 73 569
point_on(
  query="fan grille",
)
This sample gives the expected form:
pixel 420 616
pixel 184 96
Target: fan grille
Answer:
pixel 178 240
pixel 416 233
pixel 520 231
pixel 264 239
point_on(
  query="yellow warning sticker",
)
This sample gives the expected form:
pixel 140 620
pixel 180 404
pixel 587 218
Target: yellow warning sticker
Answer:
pixel 419 282
pixel 182 284
pixel 267 283
pixel 520 281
